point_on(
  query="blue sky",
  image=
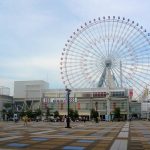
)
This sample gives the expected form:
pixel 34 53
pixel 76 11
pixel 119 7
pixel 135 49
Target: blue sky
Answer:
pixel 34 32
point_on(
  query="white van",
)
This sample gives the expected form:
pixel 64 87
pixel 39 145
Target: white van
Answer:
pixel 15 117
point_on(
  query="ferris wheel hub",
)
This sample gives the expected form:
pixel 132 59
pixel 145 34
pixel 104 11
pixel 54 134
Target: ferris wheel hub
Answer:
pixel 108 62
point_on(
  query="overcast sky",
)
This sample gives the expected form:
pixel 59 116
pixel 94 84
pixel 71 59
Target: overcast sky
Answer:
pixel 34 32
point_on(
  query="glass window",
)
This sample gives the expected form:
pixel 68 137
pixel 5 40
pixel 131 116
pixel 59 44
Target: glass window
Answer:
pixel 104 105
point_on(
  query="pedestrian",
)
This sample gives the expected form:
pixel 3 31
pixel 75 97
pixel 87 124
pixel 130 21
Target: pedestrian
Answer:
pixel 25 119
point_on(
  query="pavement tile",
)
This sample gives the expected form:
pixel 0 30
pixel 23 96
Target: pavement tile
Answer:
pixel 98 148
pixel 39 139
pixel 85 141
pixel 17 145
pixel 80 144
pixel 29 142
pixel 41 146
pixel 73 148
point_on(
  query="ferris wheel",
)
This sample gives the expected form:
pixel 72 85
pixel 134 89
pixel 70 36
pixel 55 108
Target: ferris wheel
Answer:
pixel 107 52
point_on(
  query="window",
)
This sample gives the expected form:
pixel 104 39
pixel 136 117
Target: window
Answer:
pixel 99 94
pixel 117 94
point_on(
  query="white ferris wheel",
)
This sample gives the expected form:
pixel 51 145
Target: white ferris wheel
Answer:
pixel 107 52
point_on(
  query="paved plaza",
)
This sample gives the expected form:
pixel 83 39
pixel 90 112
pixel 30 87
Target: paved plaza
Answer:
pixel 134 135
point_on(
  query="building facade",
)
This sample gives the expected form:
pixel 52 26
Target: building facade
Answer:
pixel 6 101
pixel 36 94
pixel 135 109
pixel 28 94
pixel 83 100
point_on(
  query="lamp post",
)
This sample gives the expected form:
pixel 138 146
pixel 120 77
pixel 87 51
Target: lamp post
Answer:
pixel 108 106
pixel 68 107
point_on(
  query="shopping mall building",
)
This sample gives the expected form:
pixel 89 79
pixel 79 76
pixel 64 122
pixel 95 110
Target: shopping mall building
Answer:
pixel 36 94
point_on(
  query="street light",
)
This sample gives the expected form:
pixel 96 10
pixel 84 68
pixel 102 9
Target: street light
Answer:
pixel 68 107
pixel 108 105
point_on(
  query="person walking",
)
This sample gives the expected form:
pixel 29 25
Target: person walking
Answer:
pixel 25 119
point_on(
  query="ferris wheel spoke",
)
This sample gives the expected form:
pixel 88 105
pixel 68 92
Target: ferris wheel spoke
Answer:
pixel 81 65
pixel 117 39
pixel 84 52
pixel 144 52
pixel 138 36
pixel 88 46
pixel 144 47
pixel 93 41
pixel 129 35
pixel 98 43
pixel 143 67
pixel 113 39
pixel 117 77
pixel 112 29
pixel 108 35
pixel 75 75
pixel 135 38
pixel 103 28
pixel 106 38
pixel 134 82
pixel 138 79
pixel 139 45
pixel 118 74
pixel 144 73
pixel 131 83
pixel 76 70
pixel 126 55
pixel 141 53
pixel 124 32
pixel 97 50
pixel 80 46
pixel 81 58
pixel 137 41
pixel 96 73
pixel 79 81
pixel 123 48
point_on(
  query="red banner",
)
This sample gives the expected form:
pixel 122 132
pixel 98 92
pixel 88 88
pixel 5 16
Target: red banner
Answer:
pixel 130 92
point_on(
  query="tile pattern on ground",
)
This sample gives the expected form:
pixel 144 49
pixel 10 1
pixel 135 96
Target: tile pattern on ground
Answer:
pixel 88 136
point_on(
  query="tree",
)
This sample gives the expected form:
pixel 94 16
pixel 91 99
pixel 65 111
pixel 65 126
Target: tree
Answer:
pixel 10 113
pixel 94 115
pixel 56 114
pixel 7 105
pixel 38 112
pixel 8 110
pixel 117 113
pixel 22 113
pixel 4 112
pixel 76 114
pixel 47 112
pixel 71 114
pixel 29 113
